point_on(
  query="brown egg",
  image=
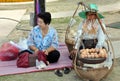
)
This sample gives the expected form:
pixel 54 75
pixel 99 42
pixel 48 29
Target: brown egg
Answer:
pixel 105 55
pixel 88 53
pixel 96 50
pixel 95 56
pixel 85 56
pixel 104 51
pixel 99 55
pixel 81 51
pixel 101 51
pixel 82 56
pixel 91 53
pixel 89 56
pixel 92 50
pixel 87 50
pixel 102 55
pixel 92 56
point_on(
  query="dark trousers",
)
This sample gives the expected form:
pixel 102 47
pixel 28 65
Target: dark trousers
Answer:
pixel 53 56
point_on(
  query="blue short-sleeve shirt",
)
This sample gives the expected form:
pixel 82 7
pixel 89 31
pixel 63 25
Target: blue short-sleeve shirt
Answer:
pixel 35 38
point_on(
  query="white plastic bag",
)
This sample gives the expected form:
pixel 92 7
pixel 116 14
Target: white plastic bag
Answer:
pixel 72 22
pixel 22 44
pixel 40 64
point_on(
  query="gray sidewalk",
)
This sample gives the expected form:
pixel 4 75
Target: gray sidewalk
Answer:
pixel 7 23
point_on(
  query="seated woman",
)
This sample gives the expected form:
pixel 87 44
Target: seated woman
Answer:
pixel 44 37
pixel 90 32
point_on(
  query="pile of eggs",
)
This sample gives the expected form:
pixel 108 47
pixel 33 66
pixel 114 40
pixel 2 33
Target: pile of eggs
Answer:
pixel 93 53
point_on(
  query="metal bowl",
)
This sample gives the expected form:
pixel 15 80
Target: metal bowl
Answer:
pixel 92 60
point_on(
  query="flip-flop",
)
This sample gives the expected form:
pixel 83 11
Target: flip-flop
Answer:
pixel 67 70
pixel 58 73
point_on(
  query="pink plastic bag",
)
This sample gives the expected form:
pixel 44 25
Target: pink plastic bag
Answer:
pixel 8 52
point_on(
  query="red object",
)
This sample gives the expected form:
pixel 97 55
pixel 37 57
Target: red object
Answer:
pixel 23 60
pixel 8 52
pixel 42 57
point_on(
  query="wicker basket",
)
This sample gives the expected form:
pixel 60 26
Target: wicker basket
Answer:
pixel 92 74
pixel 69 44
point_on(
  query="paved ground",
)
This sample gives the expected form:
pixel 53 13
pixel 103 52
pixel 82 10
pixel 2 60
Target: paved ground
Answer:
pixel 9 20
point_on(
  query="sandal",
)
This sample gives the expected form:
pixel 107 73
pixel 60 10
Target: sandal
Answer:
pixel 58 73
pixel 67 70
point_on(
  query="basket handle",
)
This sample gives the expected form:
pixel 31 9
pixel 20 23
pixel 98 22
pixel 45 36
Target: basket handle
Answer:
pixel 74 63
pixel 109 41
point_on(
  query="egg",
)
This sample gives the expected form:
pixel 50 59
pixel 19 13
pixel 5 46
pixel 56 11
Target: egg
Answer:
pixel 82 56
pixel 99 55
pixel 102 55
pixel 101 51
pixel 87 50
pixel 84 53
pixel 92 56
pixel 82 50
pixel 97 50
pixel 85 56
pixel 104 51
pixel 105 55
pixel 96 55
pixel 89 56
pixel 92 50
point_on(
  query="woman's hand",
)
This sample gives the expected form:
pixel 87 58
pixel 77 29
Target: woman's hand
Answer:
pixel 36 52
pixel 45 51
pixel 73 52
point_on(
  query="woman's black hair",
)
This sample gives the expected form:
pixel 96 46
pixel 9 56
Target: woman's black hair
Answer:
pixel 46 16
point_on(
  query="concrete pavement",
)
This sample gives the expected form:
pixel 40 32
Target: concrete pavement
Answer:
pixel 6 24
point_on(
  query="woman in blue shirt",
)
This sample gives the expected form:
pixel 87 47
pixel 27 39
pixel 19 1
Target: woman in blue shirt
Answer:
pixel 43 37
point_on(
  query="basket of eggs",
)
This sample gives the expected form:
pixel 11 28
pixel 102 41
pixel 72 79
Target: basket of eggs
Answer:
pixel 92 56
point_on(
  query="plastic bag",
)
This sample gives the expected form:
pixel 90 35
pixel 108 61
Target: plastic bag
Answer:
pixel 8 52
pixel 72 22
pixel 23 60
pixel 27 59
pixel 22 44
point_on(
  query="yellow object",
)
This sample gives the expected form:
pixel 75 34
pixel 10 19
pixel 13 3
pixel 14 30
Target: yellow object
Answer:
pixel 14 0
